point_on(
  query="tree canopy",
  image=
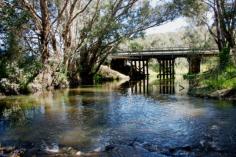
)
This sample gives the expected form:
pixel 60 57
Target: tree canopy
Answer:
pixel 75 37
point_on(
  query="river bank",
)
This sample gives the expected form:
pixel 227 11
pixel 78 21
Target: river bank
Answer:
pixel 222 94
pixel 215 84
pixel 105 74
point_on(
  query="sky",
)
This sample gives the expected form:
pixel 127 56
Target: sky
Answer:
pixel 172 26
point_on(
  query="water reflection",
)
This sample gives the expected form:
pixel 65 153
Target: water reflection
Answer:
pixel 139 87
pixel 166 86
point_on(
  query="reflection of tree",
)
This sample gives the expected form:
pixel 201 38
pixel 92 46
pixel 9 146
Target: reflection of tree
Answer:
pixel 14 111
pixel 59 115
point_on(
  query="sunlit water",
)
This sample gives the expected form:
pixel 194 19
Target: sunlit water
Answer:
pixel 92 117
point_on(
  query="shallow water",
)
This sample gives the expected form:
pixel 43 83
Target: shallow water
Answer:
pixel 92 117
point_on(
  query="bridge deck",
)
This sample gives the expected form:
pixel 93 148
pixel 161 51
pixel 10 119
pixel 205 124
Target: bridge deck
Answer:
pixel 165 53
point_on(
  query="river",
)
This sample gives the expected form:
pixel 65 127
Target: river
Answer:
pixel 144 118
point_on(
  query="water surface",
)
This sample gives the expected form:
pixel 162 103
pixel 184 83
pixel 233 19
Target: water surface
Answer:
pixel 93 117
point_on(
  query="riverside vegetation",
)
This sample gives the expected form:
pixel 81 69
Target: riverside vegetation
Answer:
pixel 59 44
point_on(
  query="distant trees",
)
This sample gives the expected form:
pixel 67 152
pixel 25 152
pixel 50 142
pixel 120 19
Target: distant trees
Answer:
pixel 197 37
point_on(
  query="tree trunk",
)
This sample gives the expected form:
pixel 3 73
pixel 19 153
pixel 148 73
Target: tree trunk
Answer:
pixel 234 54
pixel 86 78
pixel 224 57
pixel 45 30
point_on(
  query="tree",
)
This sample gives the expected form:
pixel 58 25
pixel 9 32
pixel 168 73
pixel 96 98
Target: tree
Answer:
pixel 75 37
pixel 54 28
pixel 52 20
pixel 223 26
pixel 108 23
pixel 12 26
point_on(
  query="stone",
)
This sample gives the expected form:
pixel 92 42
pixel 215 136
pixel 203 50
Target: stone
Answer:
pixel 110 74
pixel 109 147
pixel 220 93
pixel 79 153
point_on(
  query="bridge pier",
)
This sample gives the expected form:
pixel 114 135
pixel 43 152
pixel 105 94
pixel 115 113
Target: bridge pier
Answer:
pixel 140 66
pixel 194 64
pixel 167 86
pixel 165 58
pixel 166 68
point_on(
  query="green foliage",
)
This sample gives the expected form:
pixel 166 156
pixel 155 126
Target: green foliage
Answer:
pixel 218 78
pixel 197 37
pixel 114 22
pixel 98 78
pixel 3 68
pixel 153 65
pixel 192 8
pixel 135 46
pixel 12 24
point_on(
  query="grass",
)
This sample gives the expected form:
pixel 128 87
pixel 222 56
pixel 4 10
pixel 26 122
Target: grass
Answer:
pixel 222 79
pixel 216 79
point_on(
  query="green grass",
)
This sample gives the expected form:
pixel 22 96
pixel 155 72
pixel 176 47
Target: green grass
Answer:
pixel 217 79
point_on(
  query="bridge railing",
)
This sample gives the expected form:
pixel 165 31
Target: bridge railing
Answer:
pixel 166 50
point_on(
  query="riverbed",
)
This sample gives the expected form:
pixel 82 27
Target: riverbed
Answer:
pixel 119 119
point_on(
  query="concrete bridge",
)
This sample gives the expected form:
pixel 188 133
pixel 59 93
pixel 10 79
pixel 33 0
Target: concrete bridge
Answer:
pixel 138 60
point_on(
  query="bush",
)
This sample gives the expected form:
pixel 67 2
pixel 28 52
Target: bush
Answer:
pixel 221 79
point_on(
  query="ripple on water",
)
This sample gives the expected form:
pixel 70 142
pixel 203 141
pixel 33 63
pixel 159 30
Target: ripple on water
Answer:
pixel 90 118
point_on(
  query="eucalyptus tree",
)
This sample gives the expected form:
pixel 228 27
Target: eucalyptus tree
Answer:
pixel 52 23
pixel 52 33
pixel 105 24
pixel 76 36
pixel 221 25
pixel 13 23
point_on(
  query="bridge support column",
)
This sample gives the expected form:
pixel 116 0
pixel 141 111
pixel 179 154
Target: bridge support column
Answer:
pixel 194 65
pixel 166 68
pixel 139 68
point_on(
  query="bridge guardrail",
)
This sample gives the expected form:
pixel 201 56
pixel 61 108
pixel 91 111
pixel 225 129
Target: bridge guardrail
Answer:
pixel 167 51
